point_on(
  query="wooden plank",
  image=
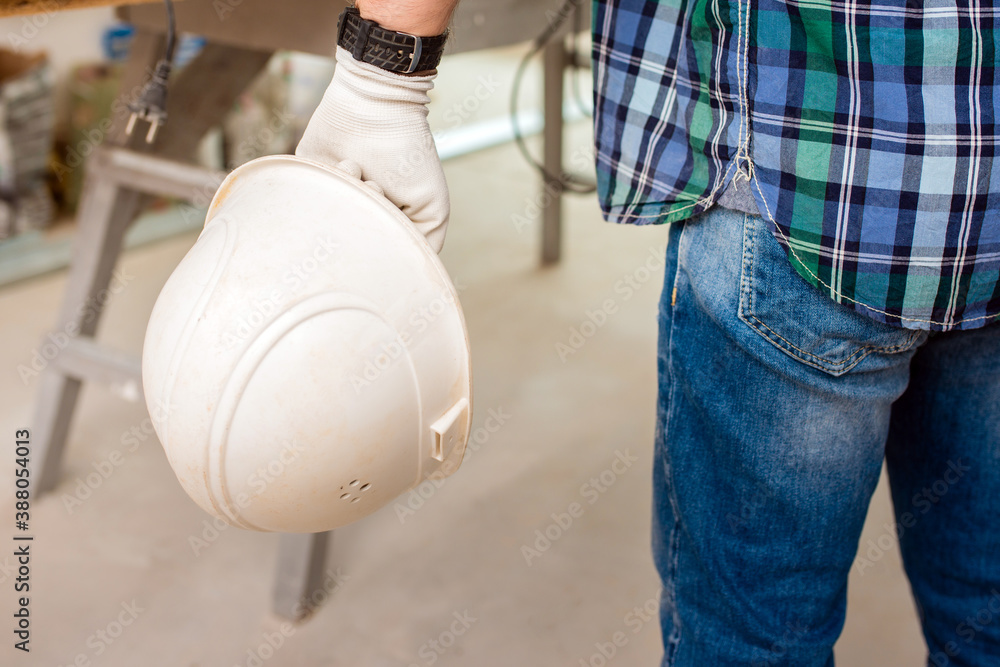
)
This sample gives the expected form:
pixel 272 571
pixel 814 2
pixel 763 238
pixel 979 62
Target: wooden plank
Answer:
pixel 484 24
pixel 17 7
pixel 203 93
pixel 311 25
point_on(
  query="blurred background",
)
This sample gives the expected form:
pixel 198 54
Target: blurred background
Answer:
pixel 475 570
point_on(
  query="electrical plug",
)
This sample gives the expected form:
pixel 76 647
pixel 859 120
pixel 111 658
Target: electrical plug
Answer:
pixel 151 105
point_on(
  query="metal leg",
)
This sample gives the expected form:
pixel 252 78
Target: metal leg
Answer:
pixel 95 249
pixel 117 187
pixel 298 583
pixel 105 212
pixel 554 66
pixel 199 99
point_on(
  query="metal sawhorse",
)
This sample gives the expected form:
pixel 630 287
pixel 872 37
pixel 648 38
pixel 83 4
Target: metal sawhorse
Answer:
pixel 122 176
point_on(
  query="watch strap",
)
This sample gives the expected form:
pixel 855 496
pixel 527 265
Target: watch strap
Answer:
pixel 390 50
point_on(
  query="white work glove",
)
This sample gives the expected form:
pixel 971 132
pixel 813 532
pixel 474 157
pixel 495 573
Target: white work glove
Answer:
pixel 378 120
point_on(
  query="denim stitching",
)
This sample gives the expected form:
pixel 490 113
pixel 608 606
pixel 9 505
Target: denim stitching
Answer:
pixel 821 363
pixel 819 281
pixel 671 643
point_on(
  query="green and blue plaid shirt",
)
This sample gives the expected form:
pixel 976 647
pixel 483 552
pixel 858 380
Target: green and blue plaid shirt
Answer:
pixel 863 132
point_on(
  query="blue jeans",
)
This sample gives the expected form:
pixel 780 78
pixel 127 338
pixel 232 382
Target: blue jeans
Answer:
pixel 777 408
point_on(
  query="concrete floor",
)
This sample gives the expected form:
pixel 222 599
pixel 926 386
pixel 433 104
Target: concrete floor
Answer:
pixel 399 585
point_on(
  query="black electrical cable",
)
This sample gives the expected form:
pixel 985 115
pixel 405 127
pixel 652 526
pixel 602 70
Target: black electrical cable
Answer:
pixel 567 182
pixel 168 53
pixel 151 104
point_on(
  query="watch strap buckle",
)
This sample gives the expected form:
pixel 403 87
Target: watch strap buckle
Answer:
pixel 390 50
pixel 418 49
pixel 361 43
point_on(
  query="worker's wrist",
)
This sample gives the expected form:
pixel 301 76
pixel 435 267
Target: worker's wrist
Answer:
pixel 416 17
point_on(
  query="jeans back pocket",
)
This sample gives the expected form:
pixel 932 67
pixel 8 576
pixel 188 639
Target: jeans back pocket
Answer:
pixel 802 321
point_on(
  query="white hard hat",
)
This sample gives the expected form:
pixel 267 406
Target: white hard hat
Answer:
pixel 307 361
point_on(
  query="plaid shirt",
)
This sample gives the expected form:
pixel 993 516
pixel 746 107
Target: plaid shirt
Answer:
pixel 864 133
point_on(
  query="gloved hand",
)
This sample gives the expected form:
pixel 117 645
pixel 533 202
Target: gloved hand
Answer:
pixel 378 120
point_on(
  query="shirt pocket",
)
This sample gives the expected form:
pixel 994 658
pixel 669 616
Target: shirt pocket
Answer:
pixel 805 323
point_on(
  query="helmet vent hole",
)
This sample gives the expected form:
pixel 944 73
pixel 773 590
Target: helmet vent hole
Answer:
pixel 354 500
pixel 366 486
pixel 345 496
pixel 354 483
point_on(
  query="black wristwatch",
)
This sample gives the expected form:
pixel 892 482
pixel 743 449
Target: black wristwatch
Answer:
pixel 398 52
